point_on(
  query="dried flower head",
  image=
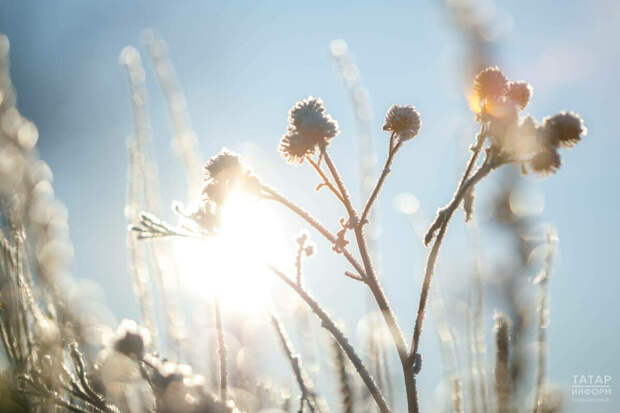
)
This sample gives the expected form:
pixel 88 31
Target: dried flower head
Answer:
pixel 131 340
pixel 546 162
pixel 309 127
pixel 403 121
pixel 520 93
pixel 167 372
pixel 522 140
pixel 295 148
pixel 564 130
pixel 224 173
pixel 490 83
pixel 305 245
pixel 206 216
pixel 503 117
pixel 224 165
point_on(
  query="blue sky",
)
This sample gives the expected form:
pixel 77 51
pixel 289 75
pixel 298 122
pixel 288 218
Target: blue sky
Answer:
pixel 243 64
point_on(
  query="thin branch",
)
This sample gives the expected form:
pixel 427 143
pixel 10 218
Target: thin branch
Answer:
pixel 440 218
pixel 354 276
pixel 275 196
pixel 329 325
pixel 221 351
pixel 542 323
pixel 386 171
pixel 377 291
pixel 346 198
pixel 80 368
pixel 326 181
pixel 446 213
pixel 307 394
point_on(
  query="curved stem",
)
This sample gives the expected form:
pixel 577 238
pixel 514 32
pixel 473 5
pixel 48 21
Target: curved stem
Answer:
pixel 275 196
pixel 386 171
pixel 446 214
pixel 480 138
pixel 329 325
pixel 326 180
pixel 307 394
pixel 346 198
pixel 377 290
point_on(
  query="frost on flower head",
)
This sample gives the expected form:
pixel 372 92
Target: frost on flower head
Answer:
pixel 295 148
pixel 546 162
pixel 564 130
pixel 224 173
pixel 224 165
pixel 131 340
pixel 309 126
pixel 403 121
pixel 520 93
pixel 524 141
pixel 490 83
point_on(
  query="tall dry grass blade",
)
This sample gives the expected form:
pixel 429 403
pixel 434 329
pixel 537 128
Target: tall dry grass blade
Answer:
pixel 338 335
pixel 502 372
pixel 345 389
pixel 163 267
pixel 470 352
pixel 184 141
pixel 221 351
pixel 543 281
pixel 307 396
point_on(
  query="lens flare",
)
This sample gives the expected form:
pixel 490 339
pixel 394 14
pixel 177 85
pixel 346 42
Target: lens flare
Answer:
pixel 231 264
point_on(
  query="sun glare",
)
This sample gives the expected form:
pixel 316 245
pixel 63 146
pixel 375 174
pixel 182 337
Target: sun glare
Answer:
pixel 231 264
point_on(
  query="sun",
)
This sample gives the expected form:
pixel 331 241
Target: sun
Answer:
pixel 231 264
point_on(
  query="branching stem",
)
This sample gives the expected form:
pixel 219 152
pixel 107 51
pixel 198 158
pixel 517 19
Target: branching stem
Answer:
pixel 375 287
pixel 443 217
pixel 329 325
pixel 275 196
pixel 386 171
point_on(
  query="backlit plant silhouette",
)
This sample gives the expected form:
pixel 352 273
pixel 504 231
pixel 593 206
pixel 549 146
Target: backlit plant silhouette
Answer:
pixel 504 138
pixel 44 339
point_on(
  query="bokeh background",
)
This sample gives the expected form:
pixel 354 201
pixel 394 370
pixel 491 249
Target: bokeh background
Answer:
pixel 242 65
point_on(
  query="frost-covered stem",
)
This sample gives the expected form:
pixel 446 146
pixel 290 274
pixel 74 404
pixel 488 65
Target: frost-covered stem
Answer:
pixel 300 251
pixel 221 351
pixel 542 336
pixel 329 325
pixel 296 366
pixel 386 171
pixel 475 152
pixel 275 196
pixel 377 291
pixel 446 214
pixel 440 218
pixel 345 390
pixel 341 188
pixel 502 377
pixel 325 179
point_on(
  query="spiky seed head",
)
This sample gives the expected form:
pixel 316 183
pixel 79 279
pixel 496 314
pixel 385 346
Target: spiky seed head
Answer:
pixel 225 172
pixel 131 340
pixel 403 121
pixel 309 127
pixel 520 93
pixel 294 148
pixel 222 166
pixel 523 139
pixel 490 83
pixel 546 162
pixel 207 216
pixel 564 130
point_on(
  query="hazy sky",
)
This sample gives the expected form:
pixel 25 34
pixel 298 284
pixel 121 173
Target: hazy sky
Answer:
pixel 243 64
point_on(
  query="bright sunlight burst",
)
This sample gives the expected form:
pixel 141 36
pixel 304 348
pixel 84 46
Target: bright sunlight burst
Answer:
pixel 231 264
